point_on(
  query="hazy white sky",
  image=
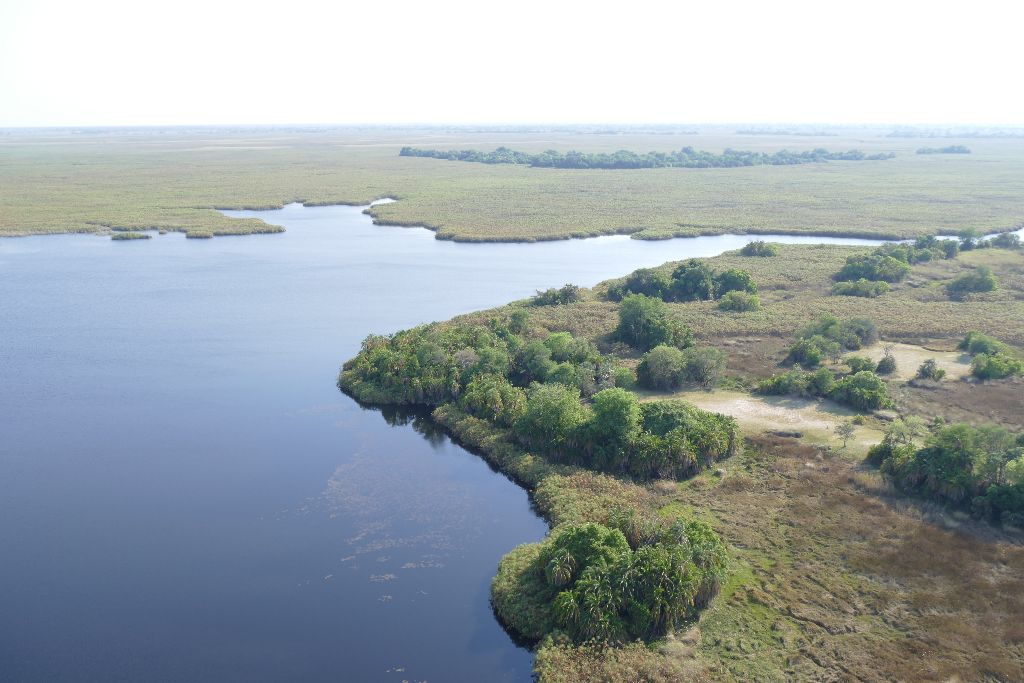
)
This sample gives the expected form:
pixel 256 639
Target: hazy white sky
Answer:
pixel 117 62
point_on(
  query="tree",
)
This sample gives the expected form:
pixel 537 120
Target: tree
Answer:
pixel 980 280
pixel 739 302
pixel 845 431
pixel 644 323
pixel 930 370
pixel 703 365
pixel 553 417
pixel 734 280
pixel 693 280
pixel 614 427
pixel 662 368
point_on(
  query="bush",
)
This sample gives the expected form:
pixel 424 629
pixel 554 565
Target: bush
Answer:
pixel 810 351
pixel 740 302
pixel 644 323
pixel 760 248
pixel 665 367
pixel 980 280
pixel 976 342
pixel 852 333
pixel 493 397
pixel 792 383
pixel 861 287
pixel 568 294
pixel 873 267
pixel 623 377
pixel 1005 240
pixel 703 365
pixel 552 419
pixel 930 370
pixel 693 280
pixel 734 280
pixel 996 366
pixel 862 391
pixel 860 363
pixel 887 365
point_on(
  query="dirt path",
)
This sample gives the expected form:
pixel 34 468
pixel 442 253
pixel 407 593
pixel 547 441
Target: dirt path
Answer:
pixel 957 364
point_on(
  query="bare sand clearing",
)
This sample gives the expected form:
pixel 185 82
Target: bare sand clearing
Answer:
pixel 814 421
pixel 957 364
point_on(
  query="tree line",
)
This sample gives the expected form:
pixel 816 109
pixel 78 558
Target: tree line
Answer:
pixel 687 157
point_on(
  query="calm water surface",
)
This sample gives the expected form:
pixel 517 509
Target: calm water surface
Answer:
pixel 185 495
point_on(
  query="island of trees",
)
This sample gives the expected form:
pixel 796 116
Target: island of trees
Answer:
pixel 687 157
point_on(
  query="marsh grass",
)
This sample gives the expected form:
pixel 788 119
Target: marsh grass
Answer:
pixel 55 181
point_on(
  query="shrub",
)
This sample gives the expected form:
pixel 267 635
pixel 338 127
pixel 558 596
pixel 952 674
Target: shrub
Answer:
pixel 996 366
pixel 734 280
pixel 740 302
pixel 567 294
pixel 873 267
pixel 887 365
pixel 122 236
pixel 493 397
pixel 552 419
pixel 860 363
pixel 623 377
pixel 1005 240
pixel 792 383
pixel 862 391
pixel 930 370
pixel 976 342
pixel 693 280
pixel 810 351
pixel 662 368
pixel 861 287
pixel 852 333
pixel 980 280
pixel 703 365
pixel 760 248
pixel 644 323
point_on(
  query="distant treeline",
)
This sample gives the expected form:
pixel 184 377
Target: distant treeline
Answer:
pixel 957 133
pixel 687 157
pixel 952 149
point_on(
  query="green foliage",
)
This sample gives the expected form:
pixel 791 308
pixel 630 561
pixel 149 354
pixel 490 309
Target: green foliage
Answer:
pixel 930 370
pixel 687 157
pixel 553 418
pixel 887 364
pixel 624 377
pixel 810 351
pixel 665 367
pixel 121 236
pixel 976 342
pixel 859 363
pixel 693 280
pixel 614 428
pixel 862 391
pixel 852 333
pixel 493 398
pixel 961 464
pixel 740 302
pixel 566 294
pixel 862 287
pixel 951 149
pixel 644 323
pixel 1005 240
pixel 980 279
pixel 760 248
pixel 734 280
pixel 873 267
pixel 996 366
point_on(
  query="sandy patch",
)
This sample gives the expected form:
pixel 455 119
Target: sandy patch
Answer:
pixel 909 358
pixel 814 420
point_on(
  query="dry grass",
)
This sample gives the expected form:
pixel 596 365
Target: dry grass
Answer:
pixel 839 580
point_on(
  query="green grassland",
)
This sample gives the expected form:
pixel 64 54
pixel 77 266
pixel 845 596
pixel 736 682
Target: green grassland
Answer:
pixel 176 179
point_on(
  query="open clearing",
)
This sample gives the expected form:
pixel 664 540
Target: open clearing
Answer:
pixel 909 358
pixel 814 421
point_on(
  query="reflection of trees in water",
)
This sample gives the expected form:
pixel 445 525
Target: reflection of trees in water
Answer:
pixel 419 418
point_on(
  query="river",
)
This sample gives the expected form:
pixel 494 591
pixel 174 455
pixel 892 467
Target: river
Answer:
pixel 185 494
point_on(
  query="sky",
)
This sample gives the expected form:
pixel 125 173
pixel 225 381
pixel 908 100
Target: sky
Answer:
pixel 147 62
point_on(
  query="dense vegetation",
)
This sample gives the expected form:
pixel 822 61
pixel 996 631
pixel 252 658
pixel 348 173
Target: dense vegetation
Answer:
pixel 890 263
pixel 981 468
pixel 634 579
pixel 828 337
pixel 692 280
pixel 992 358
pixel 687 157
pixel 760 248
pixel 118 236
